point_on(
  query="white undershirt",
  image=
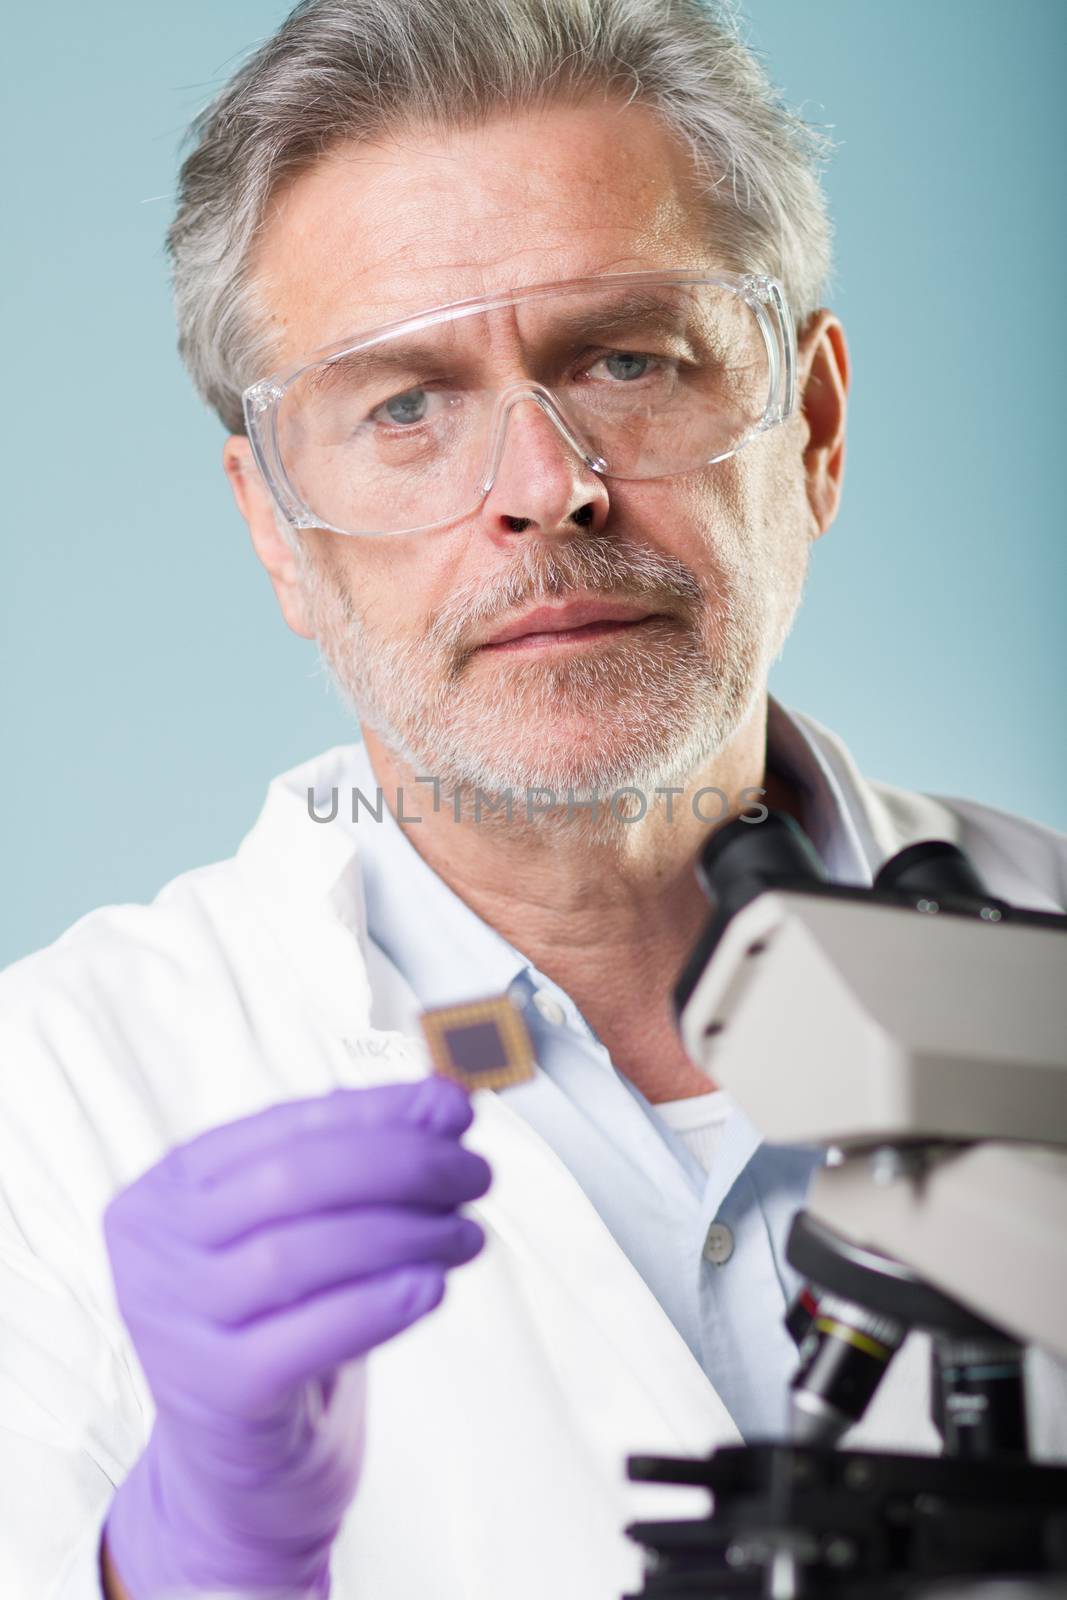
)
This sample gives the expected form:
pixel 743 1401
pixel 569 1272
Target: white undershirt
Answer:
pixel 699 1120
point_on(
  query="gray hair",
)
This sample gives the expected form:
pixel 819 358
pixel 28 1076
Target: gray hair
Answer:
pixel 339 70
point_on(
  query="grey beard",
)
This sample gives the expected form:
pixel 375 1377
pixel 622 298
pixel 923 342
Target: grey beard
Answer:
pixel 648 713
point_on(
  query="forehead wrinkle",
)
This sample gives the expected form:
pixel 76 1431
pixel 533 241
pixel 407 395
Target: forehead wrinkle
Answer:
pixel 368 315
pixel 639 239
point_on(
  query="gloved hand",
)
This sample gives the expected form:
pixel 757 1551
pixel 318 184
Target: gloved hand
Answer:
pixel 255 1266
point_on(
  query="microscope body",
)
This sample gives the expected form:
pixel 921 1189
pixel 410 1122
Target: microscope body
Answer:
pixel 927 1052
pixel 917 1032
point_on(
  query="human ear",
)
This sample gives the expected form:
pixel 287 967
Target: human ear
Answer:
pixel 823 371
pixel 276 555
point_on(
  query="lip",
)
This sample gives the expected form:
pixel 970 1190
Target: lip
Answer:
pixel 562 618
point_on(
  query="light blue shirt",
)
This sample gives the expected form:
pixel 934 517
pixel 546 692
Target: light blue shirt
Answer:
pixel 648 1187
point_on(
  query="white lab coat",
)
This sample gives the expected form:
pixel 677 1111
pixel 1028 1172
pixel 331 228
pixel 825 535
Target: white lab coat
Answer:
pixel 498 1426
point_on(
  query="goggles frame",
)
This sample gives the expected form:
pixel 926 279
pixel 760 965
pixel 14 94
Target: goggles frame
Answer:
pixel 764 295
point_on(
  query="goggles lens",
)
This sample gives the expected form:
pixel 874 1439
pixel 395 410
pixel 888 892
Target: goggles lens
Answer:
pixel 404 432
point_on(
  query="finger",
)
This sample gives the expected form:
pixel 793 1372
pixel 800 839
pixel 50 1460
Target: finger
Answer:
pixel 310 1339
pixel 293 1261
pixel 329 1172
pixel 432 1102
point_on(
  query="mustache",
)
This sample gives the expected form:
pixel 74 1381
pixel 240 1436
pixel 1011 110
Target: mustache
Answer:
pixel 605 568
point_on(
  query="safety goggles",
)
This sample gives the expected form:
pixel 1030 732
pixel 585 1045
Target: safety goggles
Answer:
pixel 644 374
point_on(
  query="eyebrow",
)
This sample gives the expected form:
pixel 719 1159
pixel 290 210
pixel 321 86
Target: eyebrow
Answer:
pixel 638 312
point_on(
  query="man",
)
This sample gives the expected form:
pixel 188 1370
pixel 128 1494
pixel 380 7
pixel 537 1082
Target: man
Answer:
pixel 553 605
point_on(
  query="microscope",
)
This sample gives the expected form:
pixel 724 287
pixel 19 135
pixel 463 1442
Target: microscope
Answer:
pixel 915 1031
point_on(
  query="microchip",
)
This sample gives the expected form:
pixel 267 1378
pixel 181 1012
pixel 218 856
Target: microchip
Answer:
pixel 483 1044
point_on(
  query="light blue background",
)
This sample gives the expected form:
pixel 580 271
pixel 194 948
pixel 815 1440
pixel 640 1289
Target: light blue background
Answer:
pixel 150 687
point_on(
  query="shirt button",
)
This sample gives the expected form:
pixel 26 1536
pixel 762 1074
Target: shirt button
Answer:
pixel 719 1244
pixel 550 1009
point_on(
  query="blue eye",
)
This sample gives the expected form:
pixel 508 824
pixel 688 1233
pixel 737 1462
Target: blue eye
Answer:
pixel 626 365
pixel 403 408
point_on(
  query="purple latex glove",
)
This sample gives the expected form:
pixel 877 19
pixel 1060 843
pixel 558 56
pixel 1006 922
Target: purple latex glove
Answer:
pixel 255 1267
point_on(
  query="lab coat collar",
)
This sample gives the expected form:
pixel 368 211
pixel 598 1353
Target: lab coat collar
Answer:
pixel 877 820
pixel 832 800
pixel 304 876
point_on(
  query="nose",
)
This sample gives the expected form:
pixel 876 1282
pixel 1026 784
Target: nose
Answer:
pixel 539 478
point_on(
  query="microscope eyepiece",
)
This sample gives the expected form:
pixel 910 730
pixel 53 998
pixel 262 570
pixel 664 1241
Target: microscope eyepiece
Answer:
pixel 742 859
pixel 934 868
